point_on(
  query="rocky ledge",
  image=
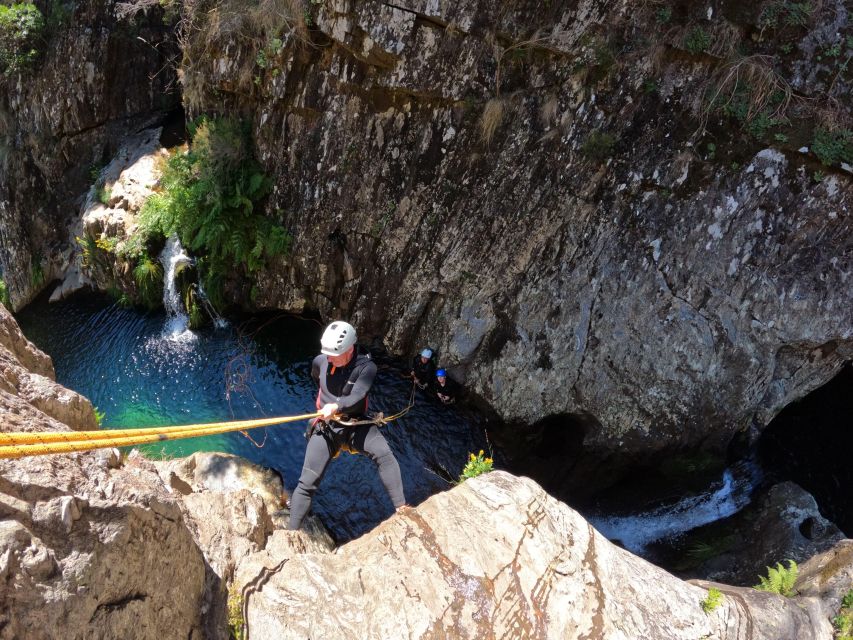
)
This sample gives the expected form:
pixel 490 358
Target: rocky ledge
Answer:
pixel 87 539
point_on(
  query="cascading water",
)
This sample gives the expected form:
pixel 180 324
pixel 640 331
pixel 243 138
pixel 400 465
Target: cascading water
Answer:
pixel 172 258
pixel 636 532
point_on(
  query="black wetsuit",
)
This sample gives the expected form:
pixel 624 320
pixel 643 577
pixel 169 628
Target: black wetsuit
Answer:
pixel 450 390
pixel 348 387
pixel 424 372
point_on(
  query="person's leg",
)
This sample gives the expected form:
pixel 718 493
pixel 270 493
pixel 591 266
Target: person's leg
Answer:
pixel 372 443
pixel 317 456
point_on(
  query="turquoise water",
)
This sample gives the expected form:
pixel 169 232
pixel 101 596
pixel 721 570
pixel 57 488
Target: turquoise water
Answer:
pixel 138 374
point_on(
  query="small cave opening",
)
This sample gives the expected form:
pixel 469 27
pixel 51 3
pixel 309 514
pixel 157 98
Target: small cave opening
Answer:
pixel 810 442
pixel 174 131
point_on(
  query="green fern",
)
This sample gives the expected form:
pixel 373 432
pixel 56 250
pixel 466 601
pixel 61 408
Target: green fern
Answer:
pixel 209 197
pixel 779 580
pixel 149 278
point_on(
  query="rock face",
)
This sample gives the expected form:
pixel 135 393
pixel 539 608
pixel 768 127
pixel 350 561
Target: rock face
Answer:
pixel 784 524
pixel 104 227
pixel 96 80
pixel 536 184
pixel 84 548
pixel 498 558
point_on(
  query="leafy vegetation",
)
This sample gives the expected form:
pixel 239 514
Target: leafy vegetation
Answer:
pixel 4 295
pixel 779 579
pixel 148 274
pixel 235 612
pixel 833 147
pixel 843 622
pixel 99 416
pixel 208 196
pixel 476 465
pixel 697 41
pixel 713 600
pixel 782 12
pixel 21 26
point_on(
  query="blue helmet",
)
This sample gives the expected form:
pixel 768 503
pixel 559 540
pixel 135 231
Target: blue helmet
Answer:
pixel 441 373
pixel 427 353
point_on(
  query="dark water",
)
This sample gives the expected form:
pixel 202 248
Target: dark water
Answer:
pixel 138 375
pixel 809 443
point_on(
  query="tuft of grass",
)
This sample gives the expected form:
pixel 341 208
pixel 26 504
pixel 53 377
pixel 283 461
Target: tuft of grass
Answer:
pixel 749 90
pixel 843 622
pixel 784 13
pixel 493 115
pixel 779 579
pixel 104 195
pixel 697 41
pixel 100 416
pixel 477 465
pixel 833 147
pixel 598 147
pixel 5 300
pixel 713 600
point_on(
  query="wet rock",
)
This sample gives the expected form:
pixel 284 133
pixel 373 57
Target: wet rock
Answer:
pixel 782 524
pixel 224 473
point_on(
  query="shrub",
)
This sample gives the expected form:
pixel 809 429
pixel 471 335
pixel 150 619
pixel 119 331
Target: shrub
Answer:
pixel 476 465
pixel 208 196
pixel 697 41
pixel 598 146
pixel 235 612
pixel 149 279
pixel 713 600
pixel 779 580
pixel 833 147
pixel 4 295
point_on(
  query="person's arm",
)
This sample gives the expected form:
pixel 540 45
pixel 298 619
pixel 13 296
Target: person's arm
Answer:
pixel 355 398
pixel 316 363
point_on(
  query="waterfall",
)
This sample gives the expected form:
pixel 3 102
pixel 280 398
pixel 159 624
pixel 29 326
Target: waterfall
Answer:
pixel 172 258
pixel 725 499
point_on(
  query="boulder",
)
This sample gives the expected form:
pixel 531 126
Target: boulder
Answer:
pixel 497 557
pixel 84 547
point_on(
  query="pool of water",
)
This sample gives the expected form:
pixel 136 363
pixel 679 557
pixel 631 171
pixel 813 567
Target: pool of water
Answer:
pixel 138 373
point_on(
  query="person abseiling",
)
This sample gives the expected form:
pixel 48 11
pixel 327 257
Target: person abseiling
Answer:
pixel 345 377
pixel 445 388
pixel 423 368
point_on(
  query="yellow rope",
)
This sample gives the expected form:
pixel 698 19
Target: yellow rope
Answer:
pixel 22 444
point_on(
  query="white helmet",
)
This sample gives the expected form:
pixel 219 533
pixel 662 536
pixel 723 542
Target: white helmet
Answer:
pixel 337 338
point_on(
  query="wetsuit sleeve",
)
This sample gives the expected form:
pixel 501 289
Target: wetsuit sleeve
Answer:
pixel 315 368
pixel 354 400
